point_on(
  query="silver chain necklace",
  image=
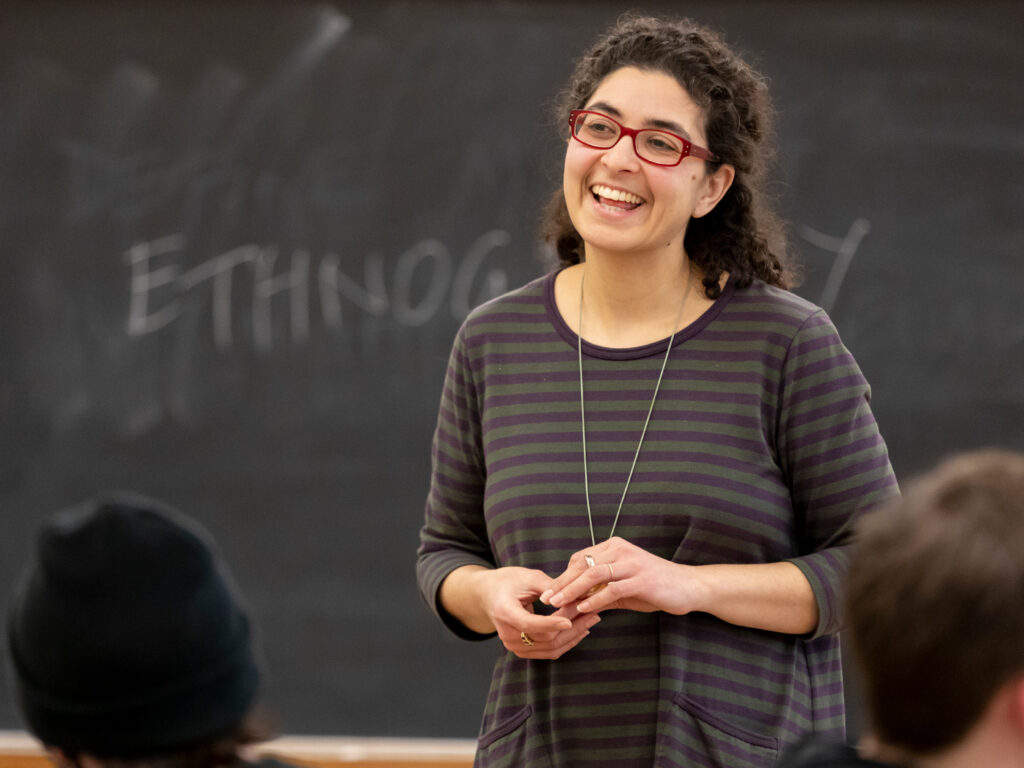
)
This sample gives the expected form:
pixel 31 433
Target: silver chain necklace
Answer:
pixel 583 418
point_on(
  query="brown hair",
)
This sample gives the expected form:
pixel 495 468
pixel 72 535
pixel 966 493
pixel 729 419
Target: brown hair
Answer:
pixel 935 600
pixel 742 235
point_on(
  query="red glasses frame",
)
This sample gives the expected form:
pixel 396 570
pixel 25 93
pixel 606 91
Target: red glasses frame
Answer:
pixel 689 148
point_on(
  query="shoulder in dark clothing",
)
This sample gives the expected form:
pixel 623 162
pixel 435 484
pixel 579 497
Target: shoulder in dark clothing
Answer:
pixel 815 753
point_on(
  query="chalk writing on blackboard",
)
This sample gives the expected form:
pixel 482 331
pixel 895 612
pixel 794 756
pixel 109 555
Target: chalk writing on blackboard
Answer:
pixel 844 248
pixel 160 289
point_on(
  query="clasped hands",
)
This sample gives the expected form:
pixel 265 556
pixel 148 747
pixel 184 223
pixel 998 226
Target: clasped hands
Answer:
pixel 612 575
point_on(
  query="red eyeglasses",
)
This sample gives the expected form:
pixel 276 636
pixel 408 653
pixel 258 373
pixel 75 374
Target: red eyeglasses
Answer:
pixel 652 145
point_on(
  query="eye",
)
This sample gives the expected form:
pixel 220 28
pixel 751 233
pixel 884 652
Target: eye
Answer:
pixel 661 144
pixel 596 130
pixel 598 126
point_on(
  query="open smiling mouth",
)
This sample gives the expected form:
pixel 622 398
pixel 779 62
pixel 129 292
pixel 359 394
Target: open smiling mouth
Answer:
pixel 616 198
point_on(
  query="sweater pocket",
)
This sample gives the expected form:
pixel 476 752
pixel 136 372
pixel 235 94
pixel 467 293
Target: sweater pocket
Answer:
pixel 692 735
pixel 508 744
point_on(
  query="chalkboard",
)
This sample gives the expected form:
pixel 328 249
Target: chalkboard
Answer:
pixel 238 238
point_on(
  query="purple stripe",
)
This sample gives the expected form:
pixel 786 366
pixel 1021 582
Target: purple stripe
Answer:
pixel 456 466
pixel 828 411
pixel 535 753
pixel 827 365
pixel 499 358
pixel 665 423
pixel 851 386
pixel 733 642
pixel 746 516
pixel 517 338
pixel 694 758
pixel 647 457
pixel 539 438
pixel 820 564
pixel 828 434
pixel 725 684
pixel 810 345
pixel 452 484
pixel 841 474
pixel 615 396
pixel 743 337
pixel 883 482
pixel 837 710
pixel 646 375
pixel 479 324
pixel 762 357
pixel 617 698
pixel 755 669
pixel 841 452
pixel 572 417
pixel 850 390
pixel 576 454
pixel 444 437
pixel 781 301
pixel 823 565
pixel 767 316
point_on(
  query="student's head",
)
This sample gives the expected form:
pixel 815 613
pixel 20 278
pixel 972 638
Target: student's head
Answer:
pixel 128 640
pixel 935 601
pixel 740 234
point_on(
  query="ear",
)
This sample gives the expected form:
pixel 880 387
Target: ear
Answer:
pixel 715 187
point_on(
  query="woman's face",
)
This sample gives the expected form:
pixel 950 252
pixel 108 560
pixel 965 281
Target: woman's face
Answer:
pixel 620 203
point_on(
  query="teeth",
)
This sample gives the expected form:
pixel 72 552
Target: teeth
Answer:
pixel 616 194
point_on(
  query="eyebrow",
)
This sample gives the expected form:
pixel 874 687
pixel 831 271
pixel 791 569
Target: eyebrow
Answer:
pixel 651 122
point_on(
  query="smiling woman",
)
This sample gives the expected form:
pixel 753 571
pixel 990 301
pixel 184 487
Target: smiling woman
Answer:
pixel 647 462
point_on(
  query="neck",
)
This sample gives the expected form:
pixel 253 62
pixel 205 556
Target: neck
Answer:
pixel 634 299
pixel 989 743
pixel 635 284
pixel 959 756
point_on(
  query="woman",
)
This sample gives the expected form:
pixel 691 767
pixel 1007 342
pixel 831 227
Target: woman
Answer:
pixel 657 437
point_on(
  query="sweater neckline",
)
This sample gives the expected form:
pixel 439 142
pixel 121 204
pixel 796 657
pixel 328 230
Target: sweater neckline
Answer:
pixel 631 353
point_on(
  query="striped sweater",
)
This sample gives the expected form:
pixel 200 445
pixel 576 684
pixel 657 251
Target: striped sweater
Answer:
pixel 761 448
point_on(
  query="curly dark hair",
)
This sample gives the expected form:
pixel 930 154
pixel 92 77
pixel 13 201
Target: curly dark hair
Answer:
pixel 742 234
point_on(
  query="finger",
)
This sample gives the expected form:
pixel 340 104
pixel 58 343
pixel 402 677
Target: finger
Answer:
pixel 592 580
pixel 578 565
pixel 554 648
pixel 569 611
pixel 570 640
pixel 536 623
pixel 580 623
pixel 604 599
pixel 541 629
pixel 515 614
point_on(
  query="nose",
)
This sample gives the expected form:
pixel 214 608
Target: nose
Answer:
pixel 622 156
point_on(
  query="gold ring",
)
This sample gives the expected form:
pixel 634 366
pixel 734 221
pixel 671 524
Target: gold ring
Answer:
pixel 527 640
pixel 590 561
pixel 611 572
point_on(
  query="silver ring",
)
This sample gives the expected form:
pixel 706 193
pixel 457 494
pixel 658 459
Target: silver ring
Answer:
pixel 590 561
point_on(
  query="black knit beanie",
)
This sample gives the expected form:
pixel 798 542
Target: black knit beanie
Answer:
pixel 126 634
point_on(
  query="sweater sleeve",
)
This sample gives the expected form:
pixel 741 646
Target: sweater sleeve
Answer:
pixel 832 453
pixel 454 532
